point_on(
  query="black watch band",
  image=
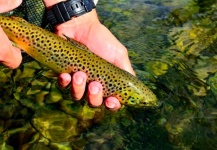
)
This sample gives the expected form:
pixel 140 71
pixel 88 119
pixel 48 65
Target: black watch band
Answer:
pixel 64 11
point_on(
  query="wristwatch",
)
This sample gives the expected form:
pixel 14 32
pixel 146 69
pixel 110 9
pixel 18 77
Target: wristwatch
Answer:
pixel 64 11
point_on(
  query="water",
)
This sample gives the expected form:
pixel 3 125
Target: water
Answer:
pixel 174 44
pixel 171 45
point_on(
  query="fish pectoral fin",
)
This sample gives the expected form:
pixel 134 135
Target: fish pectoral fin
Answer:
pixel 76 43
pixel 49 74
pixel 15 45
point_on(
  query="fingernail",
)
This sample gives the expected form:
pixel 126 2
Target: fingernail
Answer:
pixel 94 90
pixel 79 80
pixel 110 105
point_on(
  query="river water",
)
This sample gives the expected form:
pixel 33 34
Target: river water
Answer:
pixel 172 47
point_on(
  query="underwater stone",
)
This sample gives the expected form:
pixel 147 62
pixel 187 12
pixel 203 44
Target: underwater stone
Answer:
pixel 61 146
pixel 38 146
pixel 4 146
pixel 55 94
pixel 55 125
pixel 7 109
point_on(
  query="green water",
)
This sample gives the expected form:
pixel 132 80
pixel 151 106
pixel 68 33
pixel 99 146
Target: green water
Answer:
pixel 172 47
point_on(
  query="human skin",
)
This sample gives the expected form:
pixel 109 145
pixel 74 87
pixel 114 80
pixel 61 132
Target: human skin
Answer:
pixel 82 29
pixel 9 56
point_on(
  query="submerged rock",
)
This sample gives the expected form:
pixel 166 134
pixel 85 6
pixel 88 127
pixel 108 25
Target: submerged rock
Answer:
pixel 55 125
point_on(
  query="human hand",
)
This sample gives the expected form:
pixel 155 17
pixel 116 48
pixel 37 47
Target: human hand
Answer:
pixel 88 30
pixel 9 56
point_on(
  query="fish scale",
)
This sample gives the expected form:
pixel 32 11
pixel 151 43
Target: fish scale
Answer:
pixel 64 56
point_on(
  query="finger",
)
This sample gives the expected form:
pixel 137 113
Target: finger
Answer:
pixel 112 103
pixel 78 84
pixel 7 5
pixel 9 56
pixel 123 62
pixel 64 79
pixel 95 93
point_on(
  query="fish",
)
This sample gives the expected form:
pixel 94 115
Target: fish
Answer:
pixel 69 56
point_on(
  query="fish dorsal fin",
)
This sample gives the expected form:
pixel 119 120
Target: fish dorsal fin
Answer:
pixel 21 20
pixel 76 43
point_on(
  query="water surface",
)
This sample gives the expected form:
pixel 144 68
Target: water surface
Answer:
pixel 172 47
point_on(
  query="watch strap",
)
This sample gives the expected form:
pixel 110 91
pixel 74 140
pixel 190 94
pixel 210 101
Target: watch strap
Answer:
pixel 64 11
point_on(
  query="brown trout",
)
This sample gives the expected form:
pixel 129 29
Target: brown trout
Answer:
pixel 62 55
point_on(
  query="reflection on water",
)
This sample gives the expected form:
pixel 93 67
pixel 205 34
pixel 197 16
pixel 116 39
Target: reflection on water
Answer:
pixel 172 46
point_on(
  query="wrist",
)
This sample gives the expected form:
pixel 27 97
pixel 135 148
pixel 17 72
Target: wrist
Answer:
pixel 79 28
pixel 66 10
pixel 83 20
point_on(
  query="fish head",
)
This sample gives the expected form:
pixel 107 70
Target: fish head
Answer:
pixel 141 100
pixel 139 96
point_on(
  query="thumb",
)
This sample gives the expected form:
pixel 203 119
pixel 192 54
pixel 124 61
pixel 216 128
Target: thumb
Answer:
pixel 7 5
pixel 9 56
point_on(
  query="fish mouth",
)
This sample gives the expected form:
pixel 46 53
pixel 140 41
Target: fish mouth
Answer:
pixel 154 105
pixel 149 106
